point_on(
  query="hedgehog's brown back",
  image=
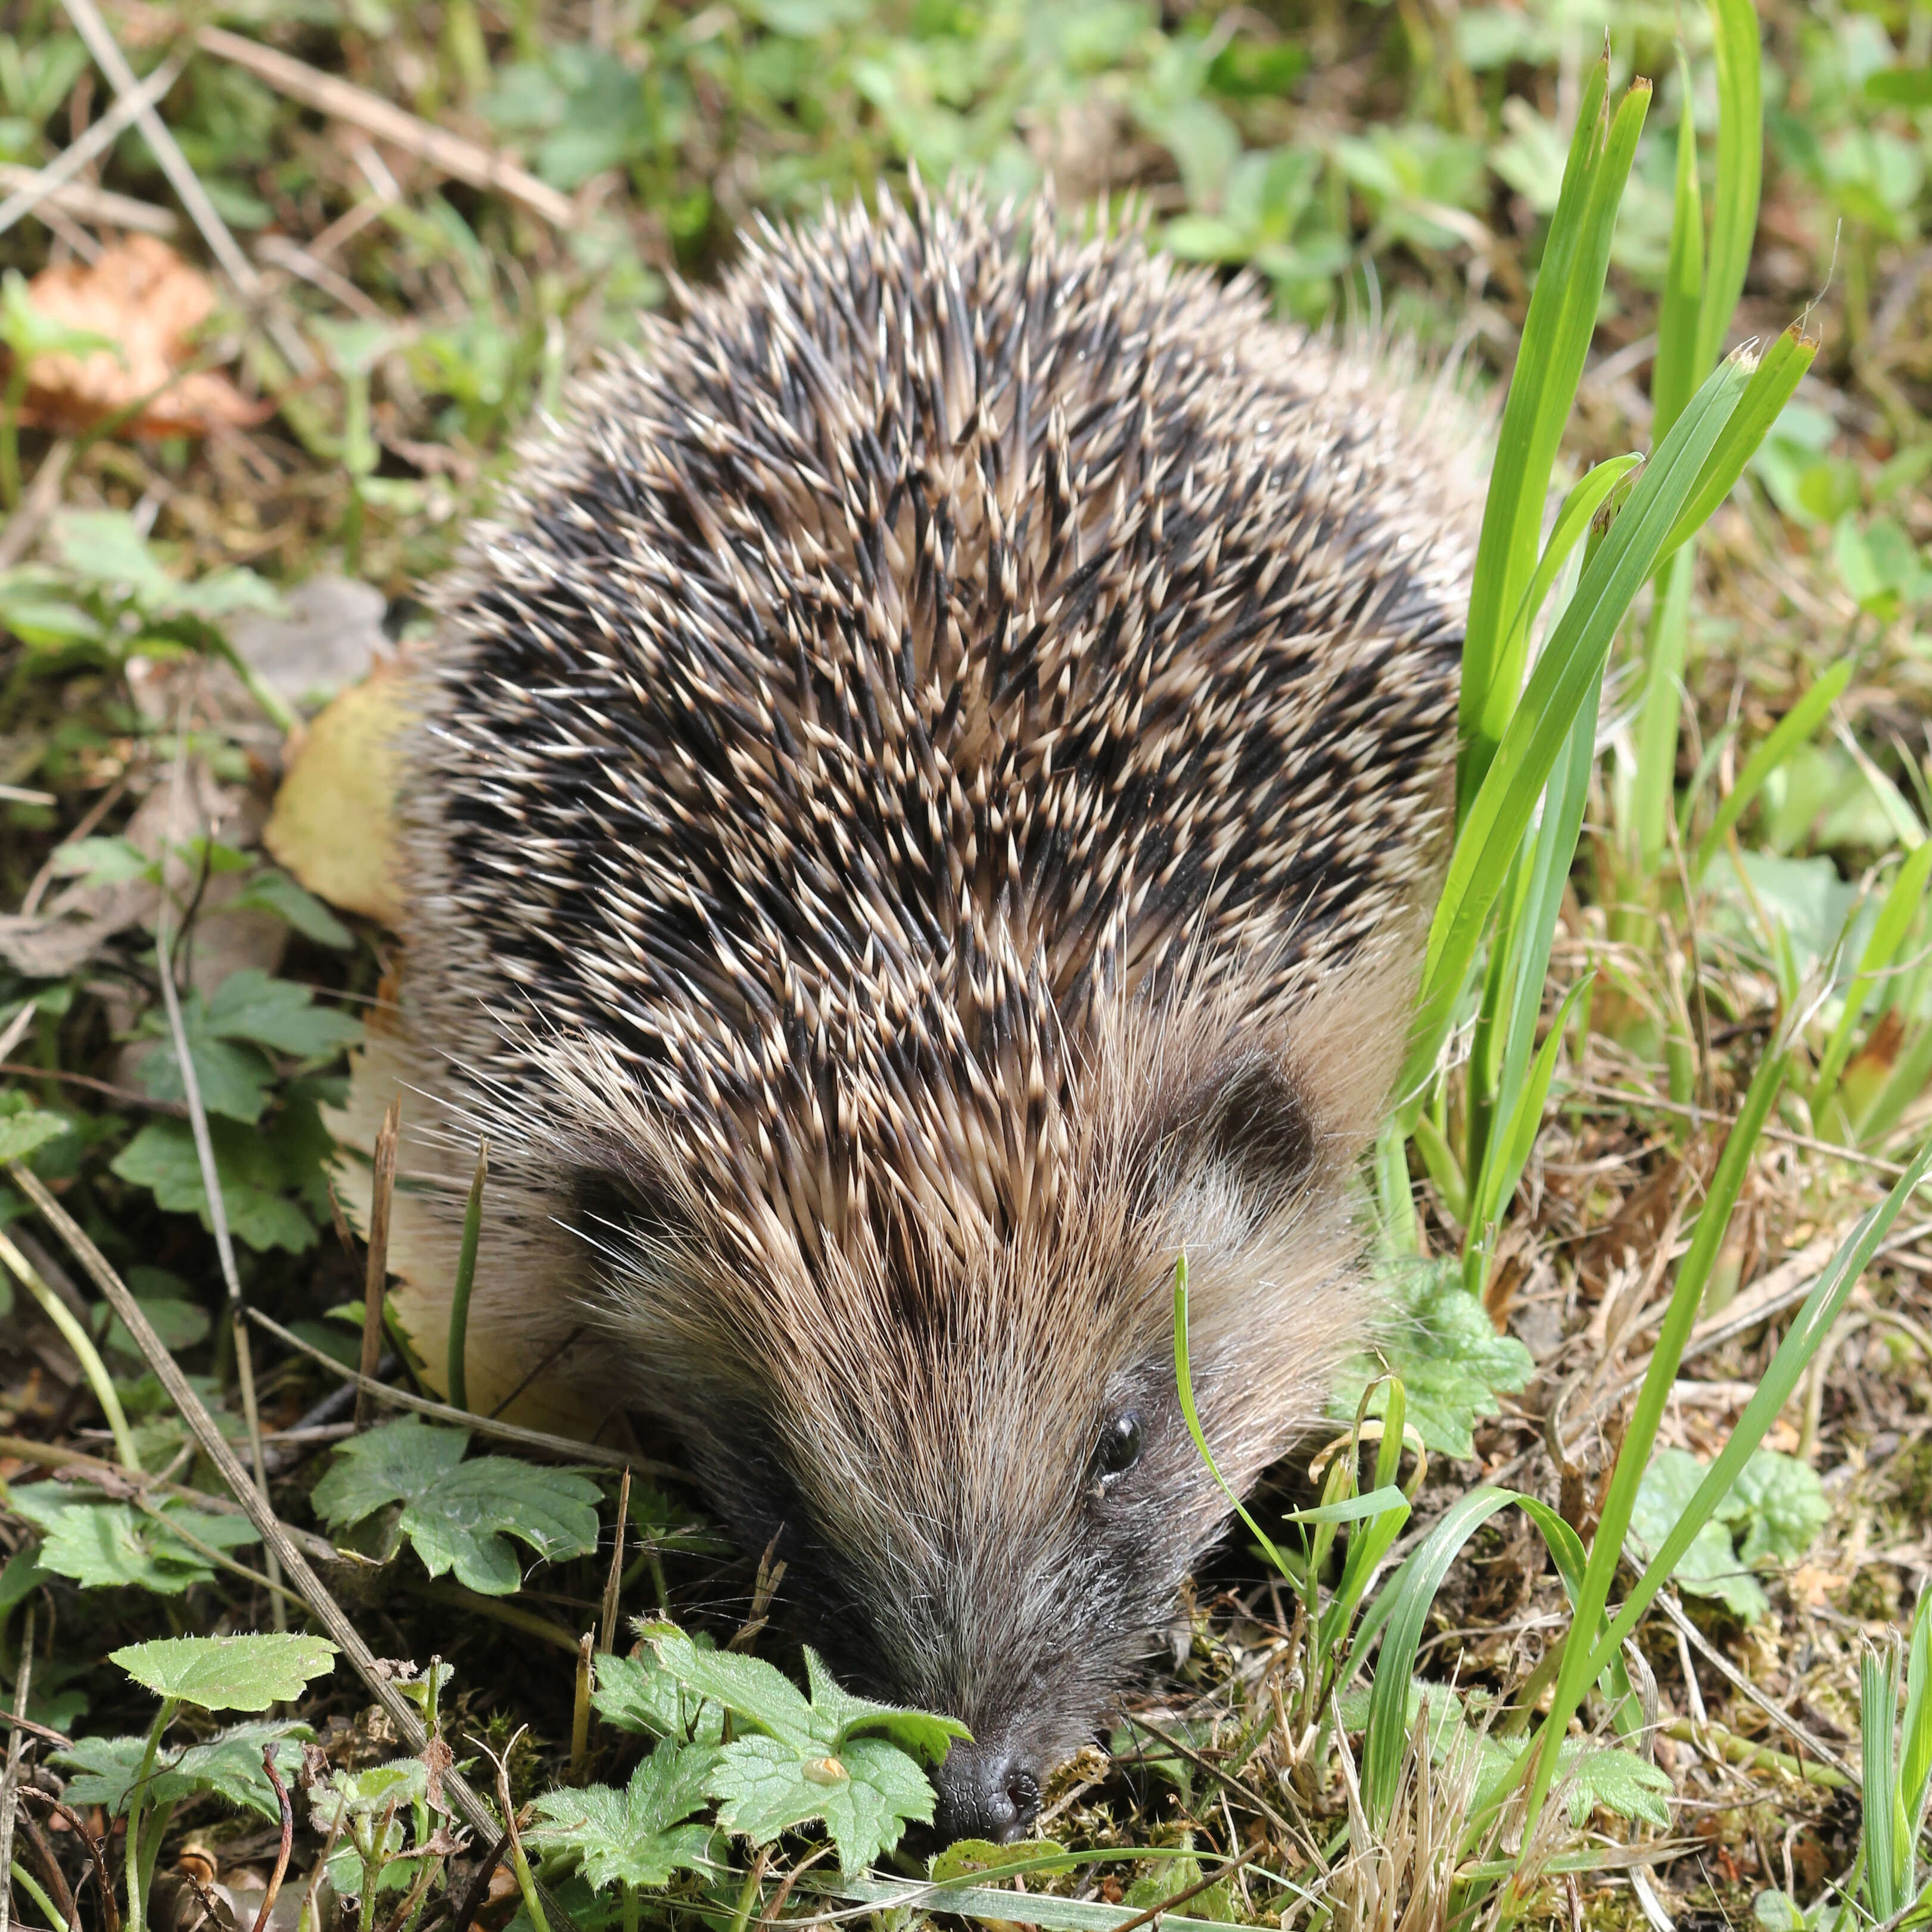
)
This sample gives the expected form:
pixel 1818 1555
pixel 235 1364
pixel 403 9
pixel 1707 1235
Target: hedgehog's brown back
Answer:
pixel 949 629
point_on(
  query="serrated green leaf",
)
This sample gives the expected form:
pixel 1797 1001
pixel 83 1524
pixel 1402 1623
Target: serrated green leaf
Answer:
pixel 253 1176
pixel 276 892
pixel 1452 1362
pixel 110 1545
pixel 460 1514
pixel 637 1836
pixel 637 1693
pixel 251 1005
pixel 233 1081
pixel 20 1134
pixel 1772 1513
pixel 229 1766
pixel 228 1673
pixel 921 1734
pixel 835 1757
pixel 866 1793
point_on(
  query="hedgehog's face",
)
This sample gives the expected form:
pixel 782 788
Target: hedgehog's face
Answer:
pixel 975 1461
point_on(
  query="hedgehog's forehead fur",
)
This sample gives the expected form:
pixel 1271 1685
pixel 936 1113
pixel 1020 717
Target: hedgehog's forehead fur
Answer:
pixel 928 793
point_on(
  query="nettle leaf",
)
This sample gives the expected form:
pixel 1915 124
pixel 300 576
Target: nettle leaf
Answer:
pixel 460 1514
pixel 229 1766
pixel 107 1545
pixel 20 1134
pixel 836 1757
pixel 228 1673
pixel 1772 1515
pixel 381 1791
pixel 638 1694
pixel 1588 1775
pixel 1452 1362
pixel 637 1836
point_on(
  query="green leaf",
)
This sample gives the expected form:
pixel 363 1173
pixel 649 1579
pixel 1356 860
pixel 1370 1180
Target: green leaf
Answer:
pixel 230 1766
pixel 638 1694
pixel 233 1081
pixel 180 1324
pixel 228 1673
pixel 866 1792
pixel 253 1177
pixel 109 1545
pixel 1590 1774
pixel 1773 1513
pixel 278 1013
pixel 29 334
pixel 460 1514
pixel 277 892
pixel 20 1134
pixel 637 1836
pixel 836 1757
pixel 1452 1362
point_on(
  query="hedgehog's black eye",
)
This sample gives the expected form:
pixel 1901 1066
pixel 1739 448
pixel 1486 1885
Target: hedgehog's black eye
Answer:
pixel 1119 1448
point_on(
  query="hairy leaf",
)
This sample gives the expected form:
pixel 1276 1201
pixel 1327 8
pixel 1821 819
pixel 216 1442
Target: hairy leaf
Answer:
pixel 229 1766
pixel 1452 1362
pixel 228 1673
pixel 106 1545
pixel 460 1514
pixel 637 1836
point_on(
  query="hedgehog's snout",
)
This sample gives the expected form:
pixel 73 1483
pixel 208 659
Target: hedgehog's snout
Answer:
pixel 985 1791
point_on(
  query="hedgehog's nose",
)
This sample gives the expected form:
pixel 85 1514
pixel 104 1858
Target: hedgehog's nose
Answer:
pixel 985 1791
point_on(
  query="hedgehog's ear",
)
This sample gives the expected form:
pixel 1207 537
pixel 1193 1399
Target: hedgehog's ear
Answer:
pixel 617 1192
pixel 1257 1125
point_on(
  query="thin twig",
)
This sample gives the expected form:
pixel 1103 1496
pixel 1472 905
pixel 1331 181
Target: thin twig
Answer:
pixel 15 1069
pixel 9 1786
pixel 1153 1912
pixel 616 1578
pixel 85 202
pixel 479 1887
pixel 288 1840
pixel 449 154
pixel 204 1145
pixel 42 182
pixel 239 270
pixel 458 1418
pixel 376 1273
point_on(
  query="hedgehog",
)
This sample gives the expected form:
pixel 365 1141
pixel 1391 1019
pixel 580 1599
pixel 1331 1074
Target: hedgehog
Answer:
pixel 923 809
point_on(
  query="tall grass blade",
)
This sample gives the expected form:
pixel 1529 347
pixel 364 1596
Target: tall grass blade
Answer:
pixel 1773 382
pixel 1814 1321
pixel 1878 1714
pixel 1915 1767
pixel 1663 703
pixel 1735 30
pixel 1578 1669
pixel 1556 338
pixel 1569 670
pixel 1675 375
pixel 1400 1612
pixel 1791 731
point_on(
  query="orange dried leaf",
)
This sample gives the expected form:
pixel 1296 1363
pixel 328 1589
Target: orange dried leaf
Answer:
pixel 142 296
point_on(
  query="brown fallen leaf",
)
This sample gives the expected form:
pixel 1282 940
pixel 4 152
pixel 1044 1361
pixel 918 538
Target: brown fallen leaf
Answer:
pixel 331 825
pixel 143 297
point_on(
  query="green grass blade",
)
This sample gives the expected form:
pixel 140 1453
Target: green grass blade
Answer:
pixel 1894 920
pixel 1791 731
pixel 1502 1173
pixel 1821 1309
pixel 1578 1669
pixel 1556 337
pixel 1734 25
pixel 1570 667
pixel 1878 1713
pixel 1663 703
pixel 1579 508
pixel 1916 1757
pixel 1184 1384
pixel 1401 1611
pixel 1676 374
pixel 1773 383
pixel 466 1277
pixel 1910 1073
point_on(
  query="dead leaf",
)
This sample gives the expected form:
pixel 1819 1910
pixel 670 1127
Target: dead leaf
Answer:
pixel 142 296
pixel 332 826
